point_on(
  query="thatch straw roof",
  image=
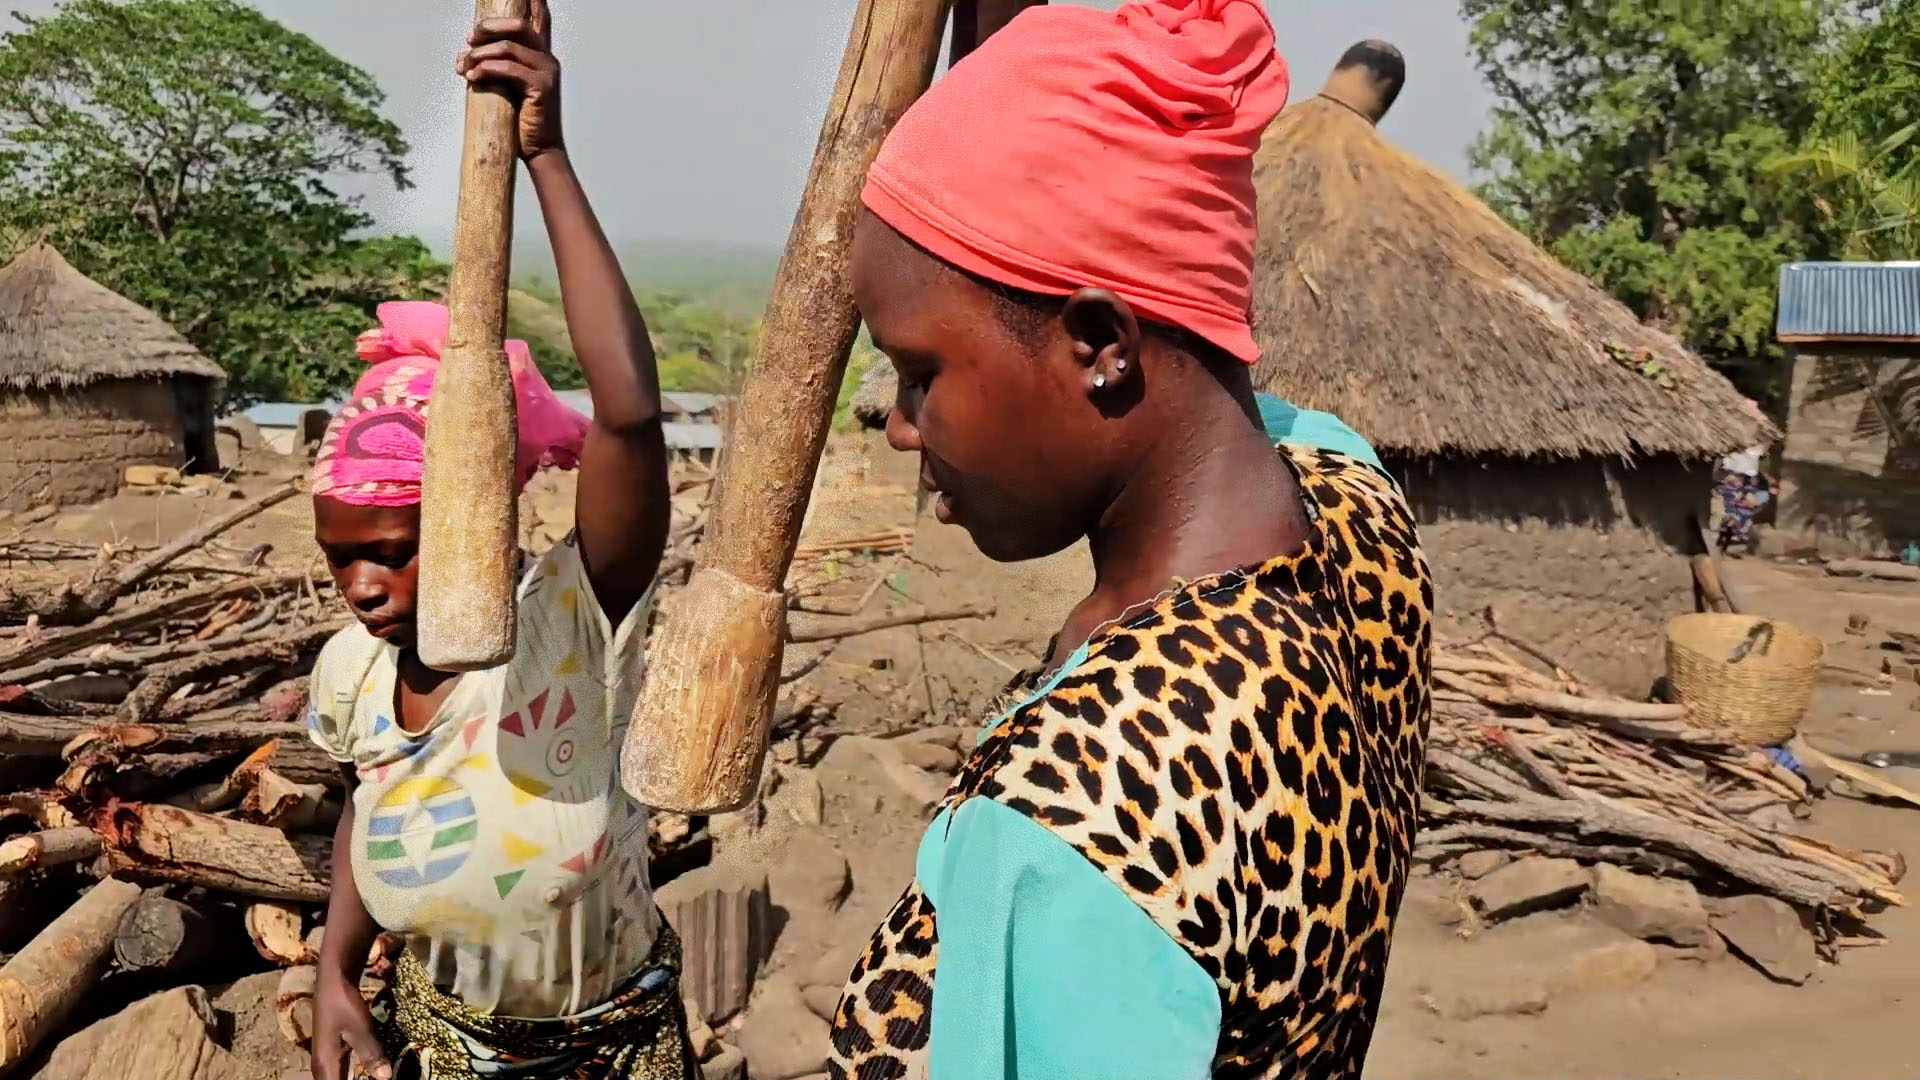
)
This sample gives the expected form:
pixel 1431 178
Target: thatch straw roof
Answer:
pixel 60 328
pixel 1390 296
pixel 873 398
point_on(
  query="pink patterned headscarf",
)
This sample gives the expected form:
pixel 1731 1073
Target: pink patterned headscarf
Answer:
pixel 372 452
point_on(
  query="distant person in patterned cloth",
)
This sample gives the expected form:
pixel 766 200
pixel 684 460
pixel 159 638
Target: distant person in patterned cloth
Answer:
pixel 1179 850
pixel 486 827
pixel 1742 488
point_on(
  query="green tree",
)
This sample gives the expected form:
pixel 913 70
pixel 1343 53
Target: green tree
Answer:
pixel 186 153
pixel 1632 138
pixel 1863 156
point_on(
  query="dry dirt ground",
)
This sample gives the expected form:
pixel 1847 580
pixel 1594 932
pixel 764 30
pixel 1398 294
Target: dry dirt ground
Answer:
pixel 1694 1016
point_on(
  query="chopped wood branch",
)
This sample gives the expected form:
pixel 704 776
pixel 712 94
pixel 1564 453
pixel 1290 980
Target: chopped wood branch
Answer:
pixel 167 844
pixel 101 597
pixel 173 607
pixel 831 631
pixel 54 847
pixel 152 694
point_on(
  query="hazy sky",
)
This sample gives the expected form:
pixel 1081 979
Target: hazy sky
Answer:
pixel 695 119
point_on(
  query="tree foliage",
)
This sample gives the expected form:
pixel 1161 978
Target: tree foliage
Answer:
pixel 1862 158
pixel 1632 139
pixel 186 153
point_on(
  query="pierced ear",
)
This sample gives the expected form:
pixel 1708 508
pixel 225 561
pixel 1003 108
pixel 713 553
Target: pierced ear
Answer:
pixel 1106 338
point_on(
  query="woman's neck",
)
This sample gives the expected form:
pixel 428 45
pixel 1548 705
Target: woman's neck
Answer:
pixel 1200 503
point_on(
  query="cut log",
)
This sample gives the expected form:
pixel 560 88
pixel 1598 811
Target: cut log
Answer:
pixel 276 801
pixel 293 1005
pixel 174 846
pixel 722 914
pixel 163 936
pixel 53 847
pixel 276 932
pixel 237 730
pixel 235 785
pixel 699 733
pixel 41 985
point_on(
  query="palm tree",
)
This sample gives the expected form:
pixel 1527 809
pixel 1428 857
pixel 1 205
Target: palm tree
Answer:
pixel 1870 197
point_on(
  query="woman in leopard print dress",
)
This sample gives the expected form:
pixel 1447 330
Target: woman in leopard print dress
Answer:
pixel 1177 854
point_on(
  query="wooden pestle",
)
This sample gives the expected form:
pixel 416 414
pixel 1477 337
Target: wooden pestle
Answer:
pixel 468 505
pixel 699 731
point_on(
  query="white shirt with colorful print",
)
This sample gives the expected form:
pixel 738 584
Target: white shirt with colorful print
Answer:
pixel 498 841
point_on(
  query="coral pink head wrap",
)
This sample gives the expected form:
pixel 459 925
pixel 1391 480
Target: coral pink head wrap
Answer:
pixel 1110 149
pixel 372 451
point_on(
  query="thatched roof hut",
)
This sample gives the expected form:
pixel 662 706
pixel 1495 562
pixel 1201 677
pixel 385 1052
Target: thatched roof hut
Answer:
pixel 60 328
pixel 91 382
pixel 1389 295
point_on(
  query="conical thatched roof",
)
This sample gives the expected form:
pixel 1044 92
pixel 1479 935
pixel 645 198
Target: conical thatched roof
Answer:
pixel 60 328
pixel 1389 295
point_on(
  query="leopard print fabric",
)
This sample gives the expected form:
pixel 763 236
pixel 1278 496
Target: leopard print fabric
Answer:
pixel 1244 760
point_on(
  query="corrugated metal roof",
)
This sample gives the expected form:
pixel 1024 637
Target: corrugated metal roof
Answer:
pixel 690 402
pixel 692 436
pixel 284 414
pixel 1849 302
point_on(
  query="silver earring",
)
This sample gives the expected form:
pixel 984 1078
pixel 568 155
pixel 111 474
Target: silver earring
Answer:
pixel 1099 381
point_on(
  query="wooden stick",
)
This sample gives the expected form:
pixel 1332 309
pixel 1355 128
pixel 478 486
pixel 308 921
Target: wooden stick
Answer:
pixel 103 596
pixel 699 731
pixel 140 618
pixel 845 628
pixel 469 526
pixel 41 985
pixel 148 698
pixel 256 628
pixel 225 730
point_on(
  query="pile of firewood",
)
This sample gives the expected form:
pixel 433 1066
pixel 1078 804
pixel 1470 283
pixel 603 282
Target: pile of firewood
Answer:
pixel 152 734
pixel 1540 763
pixel 153 739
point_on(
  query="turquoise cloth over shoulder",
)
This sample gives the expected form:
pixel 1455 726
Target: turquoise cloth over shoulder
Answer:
pixel 1046 969
pixel 1287 422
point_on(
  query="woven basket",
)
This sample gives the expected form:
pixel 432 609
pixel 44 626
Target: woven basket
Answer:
pixel 1752 675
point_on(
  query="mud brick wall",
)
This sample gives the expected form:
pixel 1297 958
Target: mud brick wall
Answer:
pixel 1844 490
pixel 72 446
pixel 1585 559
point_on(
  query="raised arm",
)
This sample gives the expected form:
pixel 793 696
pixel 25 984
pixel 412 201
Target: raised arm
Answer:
pixel 622 505
pixel 976 20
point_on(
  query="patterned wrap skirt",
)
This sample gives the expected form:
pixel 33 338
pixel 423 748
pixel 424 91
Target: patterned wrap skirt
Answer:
pixel 639 1034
